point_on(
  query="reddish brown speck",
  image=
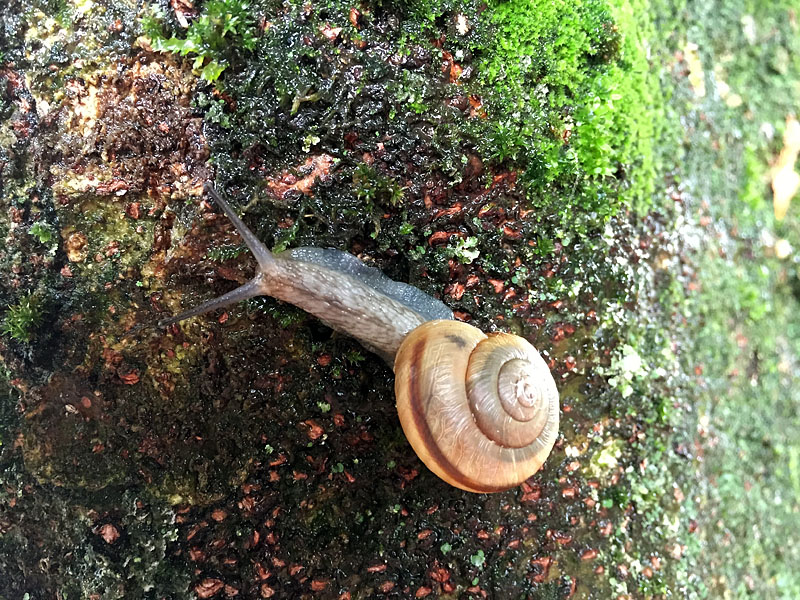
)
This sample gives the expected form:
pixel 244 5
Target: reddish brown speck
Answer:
pixel 376 569
pixel 196 554
pixel 318 585
pixel 440 574
pixel 455 290
pixel 354 15
pixel 130 378
pixel 109 533
pixel 315 431
pixel 330 33
pixel 541 568
pixel 497 284
pixel 266 591
pixel 562 538
pixel 261 571
pixel 319 167
pixel 442 237
pixel 530 493
pixel 208 587
pixel 387 586
pixel 219 515
pixel 422 592
pixel 476 107
pixel 589 554
pixel 424 534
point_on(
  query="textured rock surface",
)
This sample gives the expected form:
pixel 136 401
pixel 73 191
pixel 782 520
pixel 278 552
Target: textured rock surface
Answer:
pixel 484 154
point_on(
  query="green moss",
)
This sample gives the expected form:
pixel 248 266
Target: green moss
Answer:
pixel 223 253
pixel 22 319
pixel 572 96
pixel 41 232
pixel 222 23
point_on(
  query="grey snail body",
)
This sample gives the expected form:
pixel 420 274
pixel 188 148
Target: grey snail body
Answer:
pixel 480 410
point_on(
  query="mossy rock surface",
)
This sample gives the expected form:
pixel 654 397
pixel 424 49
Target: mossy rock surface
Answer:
pixel 522 161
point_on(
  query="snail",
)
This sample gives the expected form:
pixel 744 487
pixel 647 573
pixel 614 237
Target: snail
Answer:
pixel 481 411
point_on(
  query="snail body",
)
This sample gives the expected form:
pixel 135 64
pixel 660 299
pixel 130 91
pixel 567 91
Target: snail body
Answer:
pixel 481 411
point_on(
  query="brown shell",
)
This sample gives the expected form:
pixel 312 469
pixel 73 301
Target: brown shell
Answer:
pixel 480 411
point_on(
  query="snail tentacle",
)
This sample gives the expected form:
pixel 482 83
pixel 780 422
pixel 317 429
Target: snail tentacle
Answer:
pixel 254 287
pixel 264 257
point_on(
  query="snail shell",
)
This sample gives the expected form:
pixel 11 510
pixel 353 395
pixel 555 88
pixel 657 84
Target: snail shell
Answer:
pixel 480 411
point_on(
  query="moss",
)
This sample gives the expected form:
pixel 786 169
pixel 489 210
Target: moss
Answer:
pixel 571 95
pixel 22 319
pixel 221 24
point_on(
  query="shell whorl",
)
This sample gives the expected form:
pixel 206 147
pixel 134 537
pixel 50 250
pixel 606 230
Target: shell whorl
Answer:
pixel 480 411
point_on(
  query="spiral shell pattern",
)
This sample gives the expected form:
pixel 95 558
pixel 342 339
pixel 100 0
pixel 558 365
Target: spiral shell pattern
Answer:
pixel 480 411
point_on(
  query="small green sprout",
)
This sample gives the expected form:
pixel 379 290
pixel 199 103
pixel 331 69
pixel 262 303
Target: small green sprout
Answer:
pixel 221 25
pixel 465 250
pixel 41 232
pixel 478 558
